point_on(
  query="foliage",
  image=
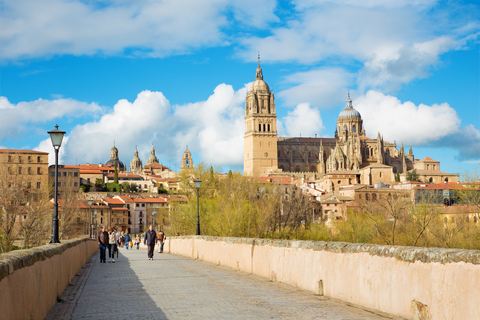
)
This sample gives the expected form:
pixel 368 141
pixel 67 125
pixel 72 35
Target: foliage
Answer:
pixel 115 174
pixel 397 177
pixel 412 176
pixel 99 185
pixel 162 191
pixel 86 187
pixel 113 187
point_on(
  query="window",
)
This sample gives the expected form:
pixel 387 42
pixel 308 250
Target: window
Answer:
pixel 38 185
pixel 65 173
pixel 354 128
pixel 29 185
pixel 75 174
pixel 29 158
pixel 59 184
pixel 19 170
pixel 137 205
pixel 143 204
pixel 39 170
pixel 269 127
pixel 51 174
pixel 259 127
pixel 186 156
pixel 19 158
pixel 38 159
pixel 69 174
pixel 75 184
pixel 9 170
pixel 9 158
pixel 339 182
pixel 29 170
pixel 380 174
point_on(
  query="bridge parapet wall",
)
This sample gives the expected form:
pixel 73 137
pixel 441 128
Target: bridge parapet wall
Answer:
pixel 410 282
pixel 31 280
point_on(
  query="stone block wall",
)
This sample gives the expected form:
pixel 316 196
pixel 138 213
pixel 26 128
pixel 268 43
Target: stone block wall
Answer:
pixel 410 282
pixel 31 280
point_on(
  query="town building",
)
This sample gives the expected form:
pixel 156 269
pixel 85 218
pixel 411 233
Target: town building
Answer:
pixel 114 160
pixel 25 168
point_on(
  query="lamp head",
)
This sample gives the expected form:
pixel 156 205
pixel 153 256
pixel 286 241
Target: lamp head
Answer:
pixel 154 211
pixel 95 212
pixel 198 183
pixel 90 202
pixel 57 137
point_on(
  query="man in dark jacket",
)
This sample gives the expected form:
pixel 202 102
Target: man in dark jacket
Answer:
pixel 150 241
pixel 102 239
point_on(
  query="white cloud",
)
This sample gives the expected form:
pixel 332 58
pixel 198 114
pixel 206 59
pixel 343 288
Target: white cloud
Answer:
pixel 212 128
pixel 46 146
pixel 303 121
pixel 404 121
pixel 321 88
pixel 17 119
pixel 32 28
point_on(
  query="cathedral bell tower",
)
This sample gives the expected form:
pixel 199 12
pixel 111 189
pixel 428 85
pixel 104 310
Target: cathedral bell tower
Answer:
pixel 260 139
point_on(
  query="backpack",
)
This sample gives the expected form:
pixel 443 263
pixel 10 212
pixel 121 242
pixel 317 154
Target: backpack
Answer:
pixel 160 236
pixel 122 239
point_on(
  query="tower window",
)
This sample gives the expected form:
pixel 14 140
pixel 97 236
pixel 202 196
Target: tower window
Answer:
pixel 264 127
pixel 260 127
pixel 269 127
pixel 354 128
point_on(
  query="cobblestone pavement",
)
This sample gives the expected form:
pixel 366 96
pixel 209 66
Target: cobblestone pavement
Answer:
pixel 174 287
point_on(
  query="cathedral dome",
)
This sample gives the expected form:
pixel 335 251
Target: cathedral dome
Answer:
pixel 259 85
pixel 349 112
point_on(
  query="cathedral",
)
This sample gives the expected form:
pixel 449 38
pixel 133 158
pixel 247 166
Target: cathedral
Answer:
pixel 349 156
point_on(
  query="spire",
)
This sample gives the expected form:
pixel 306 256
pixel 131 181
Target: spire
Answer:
pixel 259 74
pixel 349 102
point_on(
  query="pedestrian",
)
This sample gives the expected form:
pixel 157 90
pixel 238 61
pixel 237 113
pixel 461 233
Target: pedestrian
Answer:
pixel 161 239
pixel 102 239
pixel 118 240
pixel 112 245
pixel 150 240
pixel 122 240
pixel 137 240
pixel 127 240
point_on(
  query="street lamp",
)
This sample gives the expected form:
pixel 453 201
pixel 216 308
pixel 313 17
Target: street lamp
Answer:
pixel 56 136
pixel 90 202
pixel 198 183
pixel 95 213
pixel 153 218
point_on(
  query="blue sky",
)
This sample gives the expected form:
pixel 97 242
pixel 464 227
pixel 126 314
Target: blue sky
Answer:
pixel 175 73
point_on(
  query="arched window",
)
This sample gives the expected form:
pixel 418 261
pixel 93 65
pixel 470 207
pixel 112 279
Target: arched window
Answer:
pixel 339 181
pixel 313 169
pixel 354 128
pixel 264 127
pixel 260 127
pixel 345 127
pixel 430 180
pixel 297 169
pixel 269 127
pixel 367 197
pixel 380 174
pixel 446 179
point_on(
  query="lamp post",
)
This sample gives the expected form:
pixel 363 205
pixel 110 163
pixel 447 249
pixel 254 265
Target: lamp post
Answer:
pixel 56 136
pixel 153 218
pixel 90 202
pixel 198 183
pixel 95 213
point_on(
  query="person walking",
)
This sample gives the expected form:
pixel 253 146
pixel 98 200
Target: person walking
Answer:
pixel 150 240
pixel 137 240
pixel 161 239
pixel 102 239
pixel 112 245
pixel 127 240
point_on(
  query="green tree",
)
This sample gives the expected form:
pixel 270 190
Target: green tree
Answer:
pixel 115 175
pixel 412 176
pixel 397 177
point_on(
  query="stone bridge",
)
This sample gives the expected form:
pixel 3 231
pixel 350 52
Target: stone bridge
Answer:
pixel 201 277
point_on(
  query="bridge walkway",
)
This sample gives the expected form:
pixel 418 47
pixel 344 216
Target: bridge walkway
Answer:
pixel 174 287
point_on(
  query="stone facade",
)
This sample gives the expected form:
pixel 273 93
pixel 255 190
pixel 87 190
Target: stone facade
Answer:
pixel 187 161
pixel 371 160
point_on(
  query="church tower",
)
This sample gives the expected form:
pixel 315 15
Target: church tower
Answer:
pixel 153 157
pixel 260 139
pixel 136 163
pixel 187 161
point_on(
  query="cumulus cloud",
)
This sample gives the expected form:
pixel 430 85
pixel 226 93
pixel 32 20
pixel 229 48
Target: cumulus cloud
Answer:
pixel 404 121
pixel 303 120
pixel 390 42
pixel 213 128
pixel 23 117
pixel 321 87
pixel 33 28
pixel 466 140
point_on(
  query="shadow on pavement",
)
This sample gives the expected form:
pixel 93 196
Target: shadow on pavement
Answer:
pixel 115 290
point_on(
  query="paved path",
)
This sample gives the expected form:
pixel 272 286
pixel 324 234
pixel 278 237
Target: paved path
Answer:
pixel 173 287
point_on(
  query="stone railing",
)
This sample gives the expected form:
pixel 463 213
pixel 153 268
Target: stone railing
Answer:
pixel 409 282
pixel 32 279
